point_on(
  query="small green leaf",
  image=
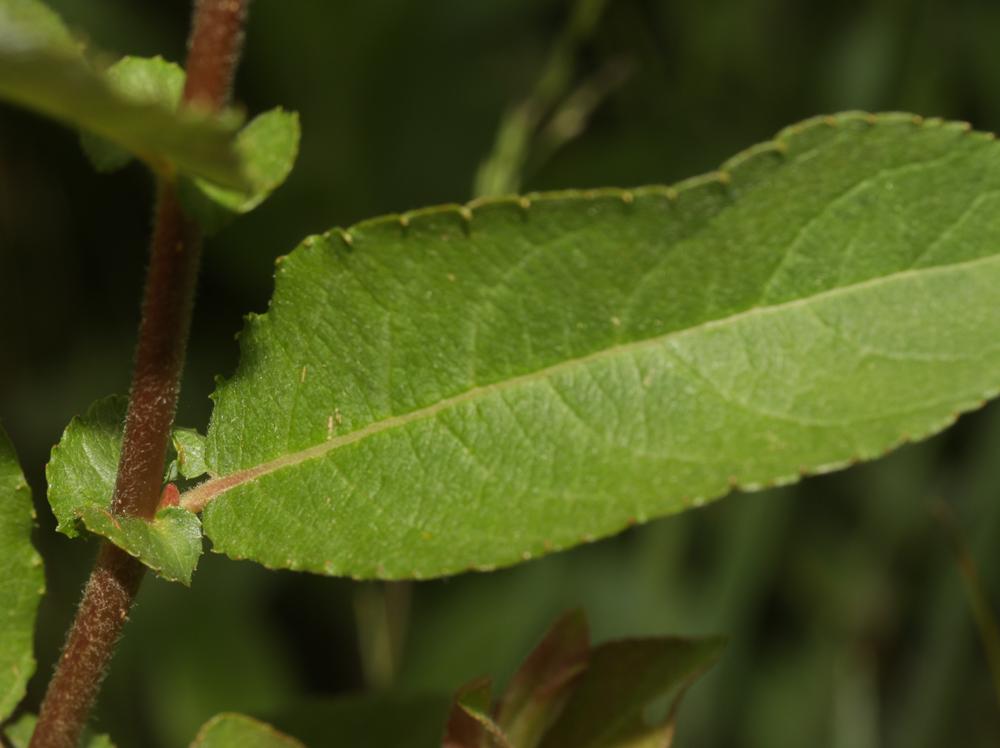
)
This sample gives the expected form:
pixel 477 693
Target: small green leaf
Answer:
pixel 40 68
pixel 469 387
pixel 143 80
pixel 169 544
pixel 83 465
pixel 622 680
pixel 190 448
pixel 81 477
pixel 268 147
pixel 538 691
pixel 19 734
pixel 21 580
pixel 239 731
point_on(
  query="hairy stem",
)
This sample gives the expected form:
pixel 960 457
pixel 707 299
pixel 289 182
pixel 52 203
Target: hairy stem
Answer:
pixel 216 39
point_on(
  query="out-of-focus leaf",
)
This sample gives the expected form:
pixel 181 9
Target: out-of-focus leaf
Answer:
pixel 538 691
pixel 143 80
pixel 40 68
pixel 239 731
pixel 268 147
pixel 623 679
pixel 470 724
pixel 519 376
pixel 31 21
pixel 81 477
pixel 21 580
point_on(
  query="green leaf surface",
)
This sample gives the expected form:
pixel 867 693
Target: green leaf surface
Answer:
pixel 465 388
pixel 538 691
pixel 239 731
pixel 19 734
pixel 622 680
pixel 268 147
pixel 21 580
pixel 81 478
pixel 41 69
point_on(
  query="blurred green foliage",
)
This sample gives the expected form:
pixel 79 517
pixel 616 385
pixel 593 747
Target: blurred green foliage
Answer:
pixel 846 615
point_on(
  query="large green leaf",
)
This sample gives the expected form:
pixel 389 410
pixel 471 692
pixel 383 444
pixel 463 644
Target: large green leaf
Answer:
pixel 43 69
pixel 471 387
pixel 81 476
pixel 238 731
pixel 21 580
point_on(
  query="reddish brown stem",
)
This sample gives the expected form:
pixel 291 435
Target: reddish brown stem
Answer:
pixel 213 51
pixel 216 38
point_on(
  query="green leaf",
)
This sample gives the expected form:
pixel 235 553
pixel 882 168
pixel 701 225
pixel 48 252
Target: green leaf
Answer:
pixel 538 691
pixel 465 388
pixel 239 731
pixel 623 679
pixel 19 734
pixel 40 68
pixel 81 477
pixel 21 581
pixel 140 79
pixel 268 147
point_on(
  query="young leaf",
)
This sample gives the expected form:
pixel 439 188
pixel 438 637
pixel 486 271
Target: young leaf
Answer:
pixel 622 679
pixel 19 734
pixel 40 68
pixel 239 731
pixel 471 387
pixel 81 477
pixel 21 580
pixel 470 724
pixel 538 691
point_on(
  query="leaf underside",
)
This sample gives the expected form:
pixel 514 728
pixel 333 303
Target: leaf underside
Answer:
pixel 81 477
pixel 464 388
pixel 21 580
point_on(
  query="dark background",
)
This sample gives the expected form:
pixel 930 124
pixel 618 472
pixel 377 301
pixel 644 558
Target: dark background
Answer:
pixel 848 622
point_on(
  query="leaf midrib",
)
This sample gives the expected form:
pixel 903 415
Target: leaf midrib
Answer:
pixel 197 498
